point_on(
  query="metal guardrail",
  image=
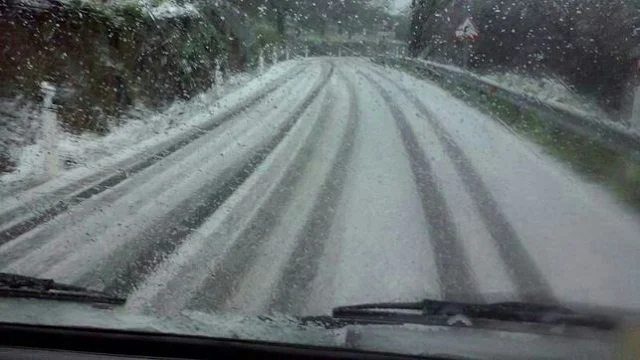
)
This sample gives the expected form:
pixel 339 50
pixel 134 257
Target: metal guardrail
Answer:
pixel 614 136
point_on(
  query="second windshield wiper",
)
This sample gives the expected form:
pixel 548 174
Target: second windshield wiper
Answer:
pixel 465 313
pixel 12 285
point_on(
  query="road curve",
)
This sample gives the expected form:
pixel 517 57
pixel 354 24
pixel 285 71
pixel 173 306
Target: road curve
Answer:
pixel 340 182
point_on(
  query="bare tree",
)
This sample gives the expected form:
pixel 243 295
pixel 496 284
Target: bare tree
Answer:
pixel 590 43
pixel 423 23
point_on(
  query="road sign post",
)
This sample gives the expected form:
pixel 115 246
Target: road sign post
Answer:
pixel 466 33
pixel 635 112
pixel 466 53
pixel 51 160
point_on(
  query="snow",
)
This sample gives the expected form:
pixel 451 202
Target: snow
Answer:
pixel 50 132
pixel 377 250
pixel 491 275
pixel 19 123
pixel 157 10
pixel 139 136
pixel 280 242
pixel 406 339
pixel 280 329
pixel 548 90
pixel 169 9
pixel 551 92
pixel 583 240
pixel 140 125
pixel 376 244
pixel 190 265
pixel 152 196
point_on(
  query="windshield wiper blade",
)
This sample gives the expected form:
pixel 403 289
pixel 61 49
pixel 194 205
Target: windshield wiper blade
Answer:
pixel 421 311
pixel 12 285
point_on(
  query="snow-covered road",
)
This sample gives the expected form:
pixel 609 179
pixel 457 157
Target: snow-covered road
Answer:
pixel 336 182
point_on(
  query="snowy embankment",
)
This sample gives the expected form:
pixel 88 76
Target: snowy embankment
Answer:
pixel 552 91
pixel 142 129
pixel 547 89
pixel 156 9
pixel 568 107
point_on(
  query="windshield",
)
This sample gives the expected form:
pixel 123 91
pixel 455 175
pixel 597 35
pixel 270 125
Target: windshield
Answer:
pixel 252 157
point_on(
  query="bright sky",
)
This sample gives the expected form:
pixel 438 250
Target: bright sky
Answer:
pixel 399 4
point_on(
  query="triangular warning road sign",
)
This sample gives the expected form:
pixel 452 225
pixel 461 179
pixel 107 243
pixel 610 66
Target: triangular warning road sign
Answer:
pixel 467 30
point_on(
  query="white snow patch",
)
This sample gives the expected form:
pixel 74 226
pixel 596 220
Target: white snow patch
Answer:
pixel 170 9
pixel 142 129
pixel 166 9
pixel 583 240
pixel 191 264
pixel 376 249
pixel 549 90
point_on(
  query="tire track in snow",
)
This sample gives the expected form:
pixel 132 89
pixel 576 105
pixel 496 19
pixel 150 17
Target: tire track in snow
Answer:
pixel 522 269
pixel 456 278
pixel 121 274
pixel 81 240
pixel 152 185
pixel 220 287
pixel 49 212
pixel 303 264
pixel 171 287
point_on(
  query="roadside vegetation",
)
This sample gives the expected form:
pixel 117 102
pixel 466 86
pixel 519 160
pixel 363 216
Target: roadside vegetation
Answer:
pixel 106 58
pixel 592 44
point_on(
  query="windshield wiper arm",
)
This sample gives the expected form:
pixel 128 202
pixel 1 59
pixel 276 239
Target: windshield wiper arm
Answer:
pixel 417 312
pixel 12 285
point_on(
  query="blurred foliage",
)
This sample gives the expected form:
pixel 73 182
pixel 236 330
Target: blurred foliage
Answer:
pixel 103 57
pixel 591 43
pixel 347 17
pixel 266 37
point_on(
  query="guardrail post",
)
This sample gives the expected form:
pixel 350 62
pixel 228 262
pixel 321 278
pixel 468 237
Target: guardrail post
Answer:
pixel 521 110
pixel 466 54
pixel 51 160
pixel 261 61
pixel 635 112
pixel 492 90
pixel 218 79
